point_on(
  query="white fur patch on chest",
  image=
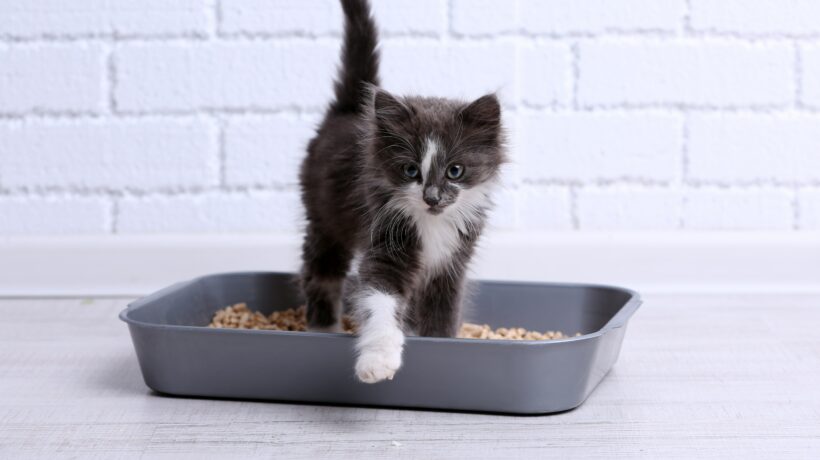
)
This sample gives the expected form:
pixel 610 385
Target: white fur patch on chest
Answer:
pixel 440 238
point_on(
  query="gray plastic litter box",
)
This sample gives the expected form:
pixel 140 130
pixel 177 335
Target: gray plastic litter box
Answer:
pixel 178 355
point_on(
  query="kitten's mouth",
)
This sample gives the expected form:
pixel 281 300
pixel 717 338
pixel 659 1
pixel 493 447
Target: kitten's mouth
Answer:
pixel 435 210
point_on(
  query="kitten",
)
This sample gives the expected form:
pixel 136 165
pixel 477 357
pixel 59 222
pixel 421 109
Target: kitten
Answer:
pixel 404 184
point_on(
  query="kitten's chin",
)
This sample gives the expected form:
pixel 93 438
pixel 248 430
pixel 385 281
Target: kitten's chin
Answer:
pixel 435 211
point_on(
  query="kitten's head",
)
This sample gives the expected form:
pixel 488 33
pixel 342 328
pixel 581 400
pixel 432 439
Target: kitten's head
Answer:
pixel 439 156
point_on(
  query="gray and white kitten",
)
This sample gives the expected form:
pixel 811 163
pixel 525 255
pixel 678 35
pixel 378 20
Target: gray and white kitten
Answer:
pixel 403 184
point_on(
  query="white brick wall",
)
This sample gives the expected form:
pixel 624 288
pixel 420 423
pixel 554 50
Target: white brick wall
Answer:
pixel 52 78
pixel 545 70
pixel 111 155
pixel 456 70
pixel 322 17
pixel 810 83
pixel 750 148
pixel 22 215
pixel 810 209
pixel 629 208
pixel 594 16
pixel 264 152
pixel 223 76
pixel 760 17
pixel 210 212
pixel 761 209
pixel 686 72
pixel 594 146
pixel 94 18
pixel 192 115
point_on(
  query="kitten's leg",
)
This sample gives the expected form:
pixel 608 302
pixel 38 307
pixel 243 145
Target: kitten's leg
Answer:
pixel 437 306
pixel 379 307
pixel 324 266
pixel 381 339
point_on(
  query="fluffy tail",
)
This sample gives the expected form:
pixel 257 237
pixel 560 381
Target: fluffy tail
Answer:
pixel 360 58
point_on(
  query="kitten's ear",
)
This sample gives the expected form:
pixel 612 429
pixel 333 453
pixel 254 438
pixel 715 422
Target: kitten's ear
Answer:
pixel 388 108
pixel 484 112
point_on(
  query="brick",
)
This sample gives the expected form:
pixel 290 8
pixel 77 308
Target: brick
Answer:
pixel 52 78
pixel 810 78
pixel 484 17
pixel 592 16
pixel 544 208
pixel 738 209
pixel 225 76
pixel 545 74
pixel 402 17
pixel 462 70
pixel 324 17
pixel 32 18
pixel 113 154
pixel 738 148
pixel 629 208
pixel 513 137
pixel 34 215
pixel 586 147
pixel 756 16
pixel 266 152
pixel 690 72
pixel 504 215
pixel 809 209
pixel 315 17
pixel 212 212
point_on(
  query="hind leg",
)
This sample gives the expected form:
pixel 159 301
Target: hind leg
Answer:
pixel 325 262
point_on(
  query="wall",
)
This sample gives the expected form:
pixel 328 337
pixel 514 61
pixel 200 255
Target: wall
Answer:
pixel 191 116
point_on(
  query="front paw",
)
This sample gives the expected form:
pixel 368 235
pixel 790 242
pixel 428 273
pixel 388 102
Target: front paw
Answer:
pixel 377 365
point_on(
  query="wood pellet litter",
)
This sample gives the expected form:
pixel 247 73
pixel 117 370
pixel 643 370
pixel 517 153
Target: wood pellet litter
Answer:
pixel 239 316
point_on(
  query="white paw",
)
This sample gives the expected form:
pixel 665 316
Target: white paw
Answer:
pixel 373 366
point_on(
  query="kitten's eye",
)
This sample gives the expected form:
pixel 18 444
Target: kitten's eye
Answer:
pixel 411 171
pixel 455 171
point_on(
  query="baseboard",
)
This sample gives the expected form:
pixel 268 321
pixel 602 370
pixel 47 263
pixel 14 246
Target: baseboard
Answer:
pixel 650 262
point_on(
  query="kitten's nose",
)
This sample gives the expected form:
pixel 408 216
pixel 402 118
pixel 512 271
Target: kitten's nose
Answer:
pixel 432 196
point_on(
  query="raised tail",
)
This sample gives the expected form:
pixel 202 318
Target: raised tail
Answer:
pixel 360 58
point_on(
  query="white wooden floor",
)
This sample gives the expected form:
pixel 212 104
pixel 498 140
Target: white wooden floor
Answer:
pixel 699 377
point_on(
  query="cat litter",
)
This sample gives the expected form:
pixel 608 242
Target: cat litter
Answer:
pixel 239 316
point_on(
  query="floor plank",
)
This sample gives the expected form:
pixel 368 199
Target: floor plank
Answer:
pixel 699 376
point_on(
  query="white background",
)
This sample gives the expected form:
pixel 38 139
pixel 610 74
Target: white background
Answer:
pixel 191 116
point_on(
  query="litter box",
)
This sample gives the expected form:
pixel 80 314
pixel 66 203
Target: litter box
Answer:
pixel 179 355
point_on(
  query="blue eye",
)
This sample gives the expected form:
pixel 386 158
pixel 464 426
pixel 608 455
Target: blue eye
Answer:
pixel 455 171
pixel 411 171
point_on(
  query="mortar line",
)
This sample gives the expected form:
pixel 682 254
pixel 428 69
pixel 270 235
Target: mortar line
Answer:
pixel 449 34
pixel 573 207
pixel 111 79
pixel 576 73
pixel 798 76
pixel 328 37
pixel 217 19
pixel 687 19
pixel 107 192
pixel 684 175
pixel 115 215
pixel 685 139
pixel 684 201
pixel 222 154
